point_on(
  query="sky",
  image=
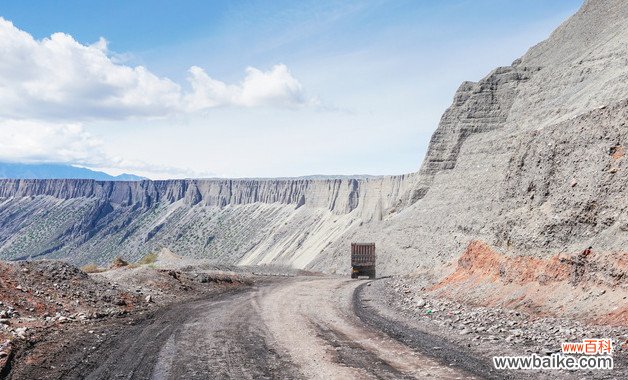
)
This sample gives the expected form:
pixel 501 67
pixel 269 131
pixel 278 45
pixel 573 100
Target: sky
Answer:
pixel 195 88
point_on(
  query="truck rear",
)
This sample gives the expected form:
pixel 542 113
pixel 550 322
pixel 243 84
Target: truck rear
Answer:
pixel 363 260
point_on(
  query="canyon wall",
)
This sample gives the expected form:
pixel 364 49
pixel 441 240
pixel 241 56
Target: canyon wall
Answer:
pixel 247 221
pixel 530 161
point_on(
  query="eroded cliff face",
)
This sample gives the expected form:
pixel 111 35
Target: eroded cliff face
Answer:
pixel 530 161
pixel 477 108
pixel 339 196
pixel 283 222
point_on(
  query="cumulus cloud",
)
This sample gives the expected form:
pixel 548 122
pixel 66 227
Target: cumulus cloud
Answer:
pixel 36 141
pixel 59 78
pixel 51 89
pixel 276 87
pixel 31 141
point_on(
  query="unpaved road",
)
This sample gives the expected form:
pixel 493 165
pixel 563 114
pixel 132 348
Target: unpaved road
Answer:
pixel 302 327
pixel 313 320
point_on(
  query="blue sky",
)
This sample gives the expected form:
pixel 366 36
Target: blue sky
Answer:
pixel 248 88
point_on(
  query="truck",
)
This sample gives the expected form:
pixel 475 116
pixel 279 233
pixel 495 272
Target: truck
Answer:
pixel 363 260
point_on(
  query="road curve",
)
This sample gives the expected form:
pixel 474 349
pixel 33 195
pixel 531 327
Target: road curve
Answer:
pixel 297 328
pixel 313 320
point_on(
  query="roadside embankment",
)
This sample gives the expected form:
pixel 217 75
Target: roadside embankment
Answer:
pixel 46 305
pixel 401 304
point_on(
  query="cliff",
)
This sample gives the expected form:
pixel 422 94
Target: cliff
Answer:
pixel 340 196
pixel 529 160
pixel 258 220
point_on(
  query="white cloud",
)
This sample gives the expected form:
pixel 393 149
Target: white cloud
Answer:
pixel 276 87
pixel 35 141
pixel 50 89
pixel 31 141
pixel 59 78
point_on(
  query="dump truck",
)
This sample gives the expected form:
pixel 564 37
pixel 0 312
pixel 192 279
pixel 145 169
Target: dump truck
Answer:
pixel 363 260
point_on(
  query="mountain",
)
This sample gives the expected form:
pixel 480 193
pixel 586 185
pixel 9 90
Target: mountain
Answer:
pixel 57 171
pixel 526 170
pixel 247 221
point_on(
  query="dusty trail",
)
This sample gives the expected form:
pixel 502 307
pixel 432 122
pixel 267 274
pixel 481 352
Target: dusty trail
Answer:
pixel 218 338
pixel 224 339
pixel 289 329
pixel 313 320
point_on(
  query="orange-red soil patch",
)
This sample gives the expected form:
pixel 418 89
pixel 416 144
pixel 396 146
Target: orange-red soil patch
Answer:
pixel 585 284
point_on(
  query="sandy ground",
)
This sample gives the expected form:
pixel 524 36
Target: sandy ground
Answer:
pixel 313 320
pixel 277 328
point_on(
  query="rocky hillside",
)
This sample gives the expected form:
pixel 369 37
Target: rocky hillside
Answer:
pixel 529 161
pixel 285 222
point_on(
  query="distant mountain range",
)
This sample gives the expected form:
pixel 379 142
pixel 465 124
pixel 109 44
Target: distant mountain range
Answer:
pixel 58 171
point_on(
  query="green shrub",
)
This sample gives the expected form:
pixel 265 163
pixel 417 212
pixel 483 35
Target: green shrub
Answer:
pixel 151 258
pixel 92 268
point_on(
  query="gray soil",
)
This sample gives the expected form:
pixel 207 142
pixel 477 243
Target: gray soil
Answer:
pixel 191 339
pixel 428 344
pixel 276 328
pixel 302 327
pixel 469 336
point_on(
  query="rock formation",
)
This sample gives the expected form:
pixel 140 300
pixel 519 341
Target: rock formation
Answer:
pixel 234 221
pixel 529 160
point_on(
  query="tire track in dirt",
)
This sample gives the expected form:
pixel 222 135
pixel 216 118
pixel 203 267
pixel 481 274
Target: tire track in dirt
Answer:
pixel 295 328
pixel 313 320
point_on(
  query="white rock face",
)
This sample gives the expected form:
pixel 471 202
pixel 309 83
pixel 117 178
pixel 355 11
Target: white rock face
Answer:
pixel 530 160
pixel 287 222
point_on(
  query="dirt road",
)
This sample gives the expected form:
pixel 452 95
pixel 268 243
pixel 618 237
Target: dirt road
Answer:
pixel 314 321
pixel 295 328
